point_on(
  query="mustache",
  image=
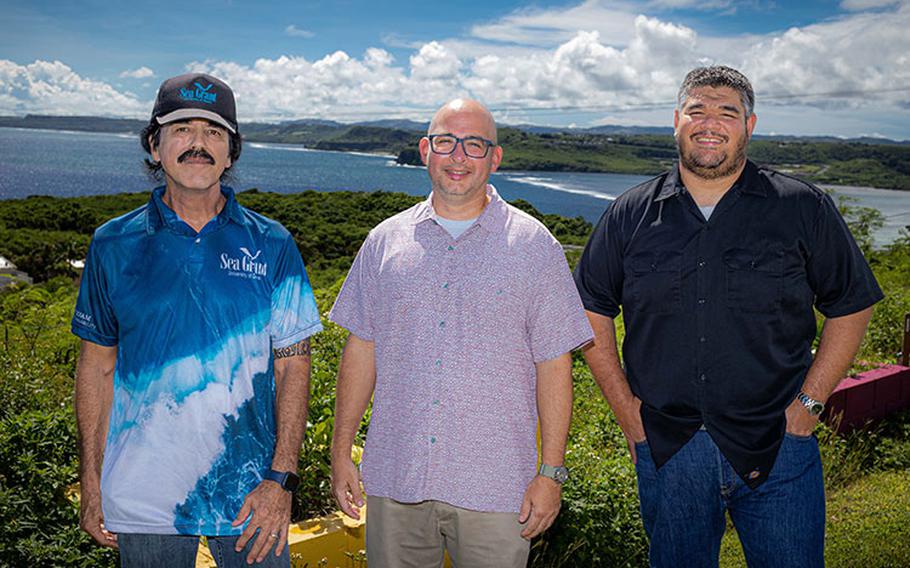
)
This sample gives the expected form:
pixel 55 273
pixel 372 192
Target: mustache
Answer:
pixel 195 153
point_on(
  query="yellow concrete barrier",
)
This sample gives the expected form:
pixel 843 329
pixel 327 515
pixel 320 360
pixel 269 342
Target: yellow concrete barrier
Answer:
pixel 332 541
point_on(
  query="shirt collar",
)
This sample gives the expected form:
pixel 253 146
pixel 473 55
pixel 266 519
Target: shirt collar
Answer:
pixel 748 182
pixel 160 215
pixel 492 217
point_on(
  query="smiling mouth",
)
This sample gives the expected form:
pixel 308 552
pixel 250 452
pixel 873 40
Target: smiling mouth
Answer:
pixel 457 174
pixel 703 139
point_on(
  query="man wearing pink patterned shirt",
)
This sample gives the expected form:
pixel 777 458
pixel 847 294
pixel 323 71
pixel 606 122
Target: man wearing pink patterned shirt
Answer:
pixel 462 315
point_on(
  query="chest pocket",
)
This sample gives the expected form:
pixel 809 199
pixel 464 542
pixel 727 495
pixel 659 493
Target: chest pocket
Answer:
pixel 656 287
pixel 754 279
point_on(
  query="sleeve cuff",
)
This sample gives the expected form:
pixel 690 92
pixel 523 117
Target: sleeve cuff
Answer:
pixel 354 327
pixel 299 335
pixel 92 336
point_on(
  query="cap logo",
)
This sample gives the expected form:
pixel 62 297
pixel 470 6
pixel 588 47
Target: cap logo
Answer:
pixel 200 95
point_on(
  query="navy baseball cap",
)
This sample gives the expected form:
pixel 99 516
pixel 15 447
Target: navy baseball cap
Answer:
pixel 196 95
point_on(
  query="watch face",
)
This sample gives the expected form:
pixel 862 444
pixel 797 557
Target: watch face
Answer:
pixel 816 409
pixel 561 474
pixel 291 482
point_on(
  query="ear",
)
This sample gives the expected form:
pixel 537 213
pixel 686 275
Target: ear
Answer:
pixel 424 147
pixel 675 122
pixel 750 124
pixel 153 148
pixel 497 158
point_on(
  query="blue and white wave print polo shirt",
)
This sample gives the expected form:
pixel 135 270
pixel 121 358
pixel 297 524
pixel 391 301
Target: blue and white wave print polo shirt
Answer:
pixel 195 318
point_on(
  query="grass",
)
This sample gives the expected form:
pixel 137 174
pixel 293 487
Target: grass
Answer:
pixel 868 525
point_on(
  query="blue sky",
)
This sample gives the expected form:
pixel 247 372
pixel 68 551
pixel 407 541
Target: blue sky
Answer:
pixel 818 67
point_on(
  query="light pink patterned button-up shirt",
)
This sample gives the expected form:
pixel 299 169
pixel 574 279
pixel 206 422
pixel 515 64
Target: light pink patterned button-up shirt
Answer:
pixel 458 326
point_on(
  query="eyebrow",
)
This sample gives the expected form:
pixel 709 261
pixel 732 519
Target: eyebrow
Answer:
pixel 728 108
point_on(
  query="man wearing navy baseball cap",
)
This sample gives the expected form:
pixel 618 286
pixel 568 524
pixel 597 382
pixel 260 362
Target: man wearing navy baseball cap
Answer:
pixel 191 391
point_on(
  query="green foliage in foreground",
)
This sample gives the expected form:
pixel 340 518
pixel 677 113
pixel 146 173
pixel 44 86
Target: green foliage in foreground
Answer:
pixel 599 524
pixel 41 234
pixel 868 525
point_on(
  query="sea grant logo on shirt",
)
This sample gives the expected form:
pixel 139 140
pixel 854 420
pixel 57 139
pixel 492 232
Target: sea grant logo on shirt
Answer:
pixel 244 266
pixel 200 95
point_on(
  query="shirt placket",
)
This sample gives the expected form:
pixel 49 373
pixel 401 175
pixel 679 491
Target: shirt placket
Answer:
pixel 447 286
pixel 701 308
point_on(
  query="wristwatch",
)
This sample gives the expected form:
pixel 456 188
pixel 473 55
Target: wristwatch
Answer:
pixel 286 479
pixel 558 473
pixel 813 407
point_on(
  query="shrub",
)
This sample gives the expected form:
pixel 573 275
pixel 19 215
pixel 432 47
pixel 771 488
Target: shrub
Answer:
pixel 38 503
pixel 599 524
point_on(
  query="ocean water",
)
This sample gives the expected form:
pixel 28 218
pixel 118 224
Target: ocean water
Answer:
pixel 66 164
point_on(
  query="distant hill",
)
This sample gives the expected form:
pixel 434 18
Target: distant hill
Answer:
pixel 397 123
pixel 78 123
pixel 643 150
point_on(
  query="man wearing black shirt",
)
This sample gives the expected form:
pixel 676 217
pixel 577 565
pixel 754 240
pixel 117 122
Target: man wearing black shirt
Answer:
pixel 717 265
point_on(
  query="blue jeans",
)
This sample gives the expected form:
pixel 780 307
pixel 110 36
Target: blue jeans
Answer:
pixel 179 551
pixel 780 524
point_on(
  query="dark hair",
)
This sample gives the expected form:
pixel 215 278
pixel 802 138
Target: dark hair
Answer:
pixel 153 168
pixel 717 76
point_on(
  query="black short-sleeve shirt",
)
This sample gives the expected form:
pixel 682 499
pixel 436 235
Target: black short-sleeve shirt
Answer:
pixel 718 313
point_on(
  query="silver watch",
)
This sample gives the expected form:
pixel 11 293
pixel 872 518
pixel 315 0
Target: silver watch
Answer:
pixel 558 473
pixel 813 407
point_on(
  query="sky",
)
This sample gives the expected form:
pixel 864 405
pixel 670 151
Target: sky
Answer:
pixel 818 67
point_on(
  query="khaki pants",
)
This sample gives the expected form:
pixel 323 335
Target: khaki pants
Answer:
pixel 415 535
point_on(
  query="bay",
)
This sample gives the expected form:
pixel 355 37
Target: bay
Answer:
pixel 69 164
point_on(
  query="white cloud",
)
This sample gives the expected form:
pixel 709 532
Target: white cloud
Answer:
pixel 592 62
pixel 859 5
pixel 294 31
pixel 694 4
pixel 863 53
pixel 45 87
pixel 140 73
pixel 614 22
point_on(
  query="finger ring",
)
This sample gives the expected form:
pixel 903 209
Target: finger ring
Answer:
pixel 273 535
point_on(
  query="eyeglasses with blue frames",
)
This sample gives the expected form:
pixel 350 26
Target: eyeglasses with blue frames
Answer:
pixel 472 146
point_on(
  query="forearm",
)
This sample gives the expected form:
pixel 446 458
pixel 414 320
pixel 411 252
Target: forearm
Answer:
pixel 292 386
pixel 356 381
pixel 554 407
pixel 94 393
pixel 602 357
pixel 840 340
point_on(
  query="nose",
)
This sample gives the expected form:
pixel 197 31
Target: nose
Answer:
pixel 459 154
pixel 710 121
pixel 197 137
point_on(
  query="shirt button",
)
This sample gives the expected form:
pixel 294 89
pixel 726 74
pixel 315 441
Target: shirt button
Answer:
pixel 436 402
pixel 702 339
pixel 701 264
pixel 701 300
pixel 197 241
pixel 442 324
pixel 445 285
pixel 432 439
pixel 451 247
pixel 703 378
pixel 438 362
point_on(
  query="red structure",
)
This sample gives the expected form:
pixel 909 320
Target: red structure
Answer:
pixel 869 396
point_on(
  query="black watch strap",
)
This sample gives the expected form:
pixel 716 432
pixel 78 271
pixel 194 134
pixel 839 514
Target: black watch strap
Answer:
pixel 286 479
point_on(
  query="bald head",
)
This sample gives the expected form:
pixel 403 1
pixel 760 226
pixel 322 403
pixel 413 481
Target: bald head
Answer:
pixel 463 108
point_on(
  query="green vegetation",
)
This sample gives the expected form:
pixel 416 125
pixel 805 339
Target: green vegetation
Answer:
pixel 599 524
pixel 583 153
pixel 866 476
